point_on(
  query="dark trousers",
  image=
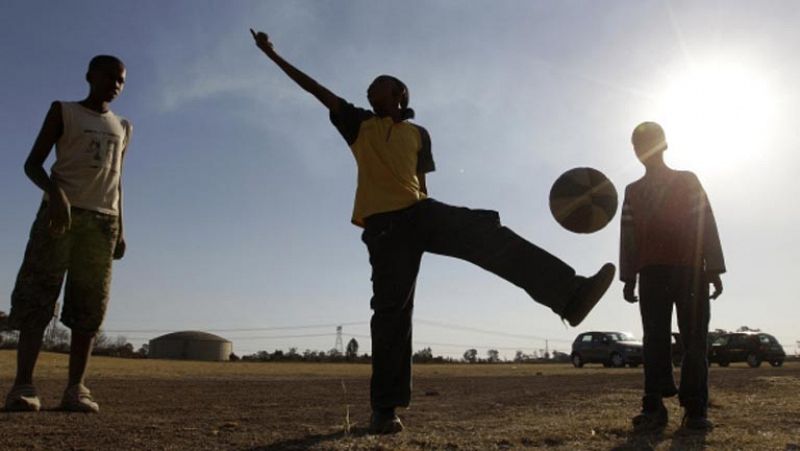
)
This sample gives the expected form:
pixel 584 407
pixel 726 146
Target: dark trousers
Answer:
pixel 659 288
pixel 396 242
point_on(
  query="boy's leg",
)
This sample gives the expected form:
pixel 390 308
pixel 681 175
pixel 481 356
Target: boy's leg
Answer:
pixel 28 348
pixel 33 303
pixel 655 306
pixel 80 350
pixel 693 318
pixel 86 297
pixel 395 258
pixel 478 237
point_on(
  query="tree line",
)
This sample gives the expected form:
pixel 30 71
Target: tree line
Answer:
pixel 57 338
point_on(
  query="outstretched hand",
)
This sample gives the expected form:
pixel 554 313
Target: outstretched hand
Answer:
pixel 262 41
pixel 629 292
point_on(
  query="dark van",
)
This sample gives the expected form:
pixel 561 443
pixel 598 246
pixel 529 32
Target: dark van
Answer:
pixel 750 347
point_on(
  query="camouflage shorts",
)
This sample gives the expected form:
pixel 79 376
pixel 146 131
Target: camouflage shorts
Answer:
pixel 84 253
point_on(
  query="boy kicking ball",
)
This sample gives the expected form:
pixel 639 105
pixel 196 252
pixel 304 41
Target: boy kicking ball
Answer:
pixel 401 222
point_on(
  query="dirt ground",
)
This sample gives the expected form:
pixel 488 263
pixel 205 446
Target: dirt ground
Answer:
pixel 155 405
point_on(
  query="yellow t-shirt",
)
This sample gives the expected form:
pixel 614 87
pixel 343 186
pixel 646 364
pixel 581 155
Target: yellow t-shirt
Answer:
pixel 388 155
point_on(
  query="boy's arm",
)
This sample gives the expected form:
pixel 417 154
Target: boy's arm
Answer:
pixel 58 206
pixel 119 249
pixel 329 99
pixel 715 280
pixel 712 248
pixel 425 162
pixel 627 251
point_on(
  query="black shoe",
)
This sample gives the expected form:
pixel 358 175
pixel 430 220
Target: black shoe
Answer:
pixel 588 294
pixel 385 422
pixel 654 416
pixel 650 421
pixel 698 422
pixel 669 392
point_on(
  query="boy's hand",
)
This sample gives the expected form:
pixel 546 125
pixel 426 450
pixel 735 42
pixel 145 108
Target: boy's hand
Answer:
pixel 629 292
pixel 714 279
pixel 58 210
pixel 262 41
pixel 119 249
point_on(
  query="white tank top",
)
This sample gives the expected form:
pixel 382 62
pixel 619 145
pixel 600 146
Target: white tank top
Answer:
pixel 89 158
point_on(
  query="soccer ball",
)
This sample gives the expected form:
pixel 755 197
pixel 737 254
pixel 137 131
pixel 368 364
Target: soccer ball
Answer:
pixel 583 200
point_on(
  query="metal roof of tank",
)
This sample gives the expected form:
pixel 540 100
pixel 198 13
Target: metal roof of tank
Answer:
pixel 192 335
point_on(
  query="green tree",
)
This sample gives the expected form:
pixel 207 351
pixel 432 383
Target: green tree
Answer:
pixel 493 356
pixel 351 352
pixel 423 355
pixel 471 355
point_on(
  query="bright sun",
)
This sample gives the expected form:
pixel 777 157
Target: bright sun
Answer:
pixel 717 117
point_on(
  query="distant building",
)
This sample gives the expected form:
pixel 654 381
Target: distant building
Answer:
pixel 190 345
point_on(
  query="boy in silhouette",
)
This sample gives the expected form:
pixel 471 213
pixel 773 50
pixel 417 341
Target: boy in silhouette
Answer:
pixel 401 222
pixel 77 232
pixel 669 240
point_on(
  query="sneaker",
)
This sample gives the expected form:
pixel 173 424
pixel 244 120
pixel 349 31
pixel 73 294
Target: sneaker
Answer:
pixel 651 421
pixel 654 415
pixel 668 389
pixel 78 398
pixel 669 392
pixel 23 398
pixel 385 422
pixel 696 422
pixel 588 294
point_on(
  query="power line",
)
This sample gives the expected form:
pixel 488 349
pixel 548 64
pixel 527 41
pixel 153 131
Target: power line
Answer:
pixel 488 332
pixel 455 345
pixel 353 323
pixel 251 329
pixel 277 337
pixel 265 337
pixel 362 336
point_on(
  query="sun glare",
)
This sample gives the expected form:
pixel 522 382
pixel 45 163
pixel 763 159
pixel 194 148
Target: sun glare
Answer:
pixel 717 117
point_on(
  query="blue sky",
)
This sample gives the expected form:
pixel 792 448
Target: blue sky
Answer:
pixel 238 190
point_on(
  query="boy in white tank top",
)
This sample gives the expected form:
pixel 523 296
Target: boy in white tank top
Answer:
pixel 77 232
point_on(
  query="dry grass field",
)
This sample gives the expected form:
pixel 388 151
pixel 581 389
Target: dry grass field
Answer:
pixel 170 405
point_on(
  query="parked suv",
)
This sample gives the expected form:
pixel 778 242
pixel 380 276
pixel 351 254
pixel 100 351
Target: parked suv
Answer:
pixel 750 347
pixel 677 345
pixel 615 349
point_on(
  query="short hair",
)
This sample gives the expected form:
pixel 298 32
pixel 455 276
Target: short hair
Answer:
pixel 407 112
pixel 649 137
pixel 101 61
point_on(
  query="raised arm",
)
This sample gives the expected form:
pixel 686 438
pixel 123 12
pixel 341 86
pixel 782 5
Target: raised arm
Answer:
pixel 329 99
pixel 58 205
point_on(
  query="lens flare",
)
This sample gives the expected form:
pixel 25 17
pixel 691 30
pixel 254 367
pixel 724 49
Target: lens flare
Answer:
pixel 717 117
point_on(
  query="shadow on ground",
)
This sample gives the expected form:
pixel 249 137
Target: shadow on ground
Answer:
pixel 681 440
pixel 310 441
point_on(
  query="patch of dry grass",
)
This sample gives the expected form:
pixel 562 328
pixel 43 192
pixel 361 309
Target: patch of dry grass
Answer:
pixel 53 365
pixel 158 404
